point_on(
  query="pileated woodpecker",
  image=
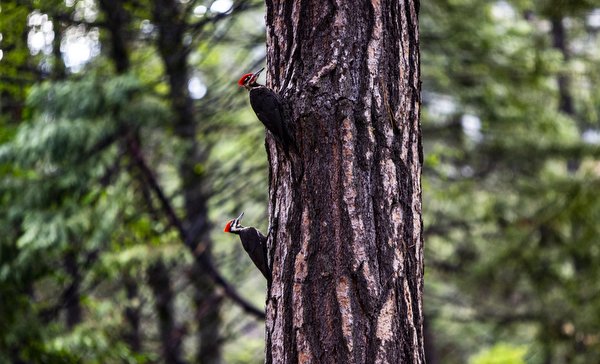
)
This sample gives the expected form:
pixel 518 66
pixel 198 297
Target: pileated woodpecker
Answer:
pixel 254 243
pixel 267 106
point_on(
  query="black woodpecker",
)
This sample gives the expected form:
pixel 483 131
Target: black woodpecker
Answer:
pixel 267 106
pixel 254 243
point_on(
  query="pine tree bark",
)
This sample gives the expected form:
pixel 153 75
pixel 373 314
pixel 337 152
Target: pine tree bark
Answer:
pixel 345 212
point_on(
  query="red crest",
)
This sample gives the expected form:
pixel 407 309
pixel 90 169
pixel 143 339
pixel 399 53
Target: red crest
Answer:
pixel 245 78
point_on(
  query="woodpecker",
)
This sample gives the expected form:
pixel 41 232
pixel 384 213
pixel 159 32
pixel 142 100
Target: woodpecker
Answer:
pixel 254 243
pixel 268 108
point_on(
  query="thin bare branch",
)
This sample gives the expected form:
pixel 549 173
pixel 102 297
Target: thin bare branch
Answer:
pixel 186 236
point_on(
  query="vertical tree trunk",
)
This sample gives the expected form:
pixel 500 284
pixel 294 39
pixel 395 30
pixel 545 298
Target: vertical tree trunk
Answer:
pixel 72 294
pixel 170 333
pixel 565 99
pixel 58 65
pixel 346 240
pixel 117 19
pixel 430 351
pixel 171 21
pixel 132 314
pixel 559 41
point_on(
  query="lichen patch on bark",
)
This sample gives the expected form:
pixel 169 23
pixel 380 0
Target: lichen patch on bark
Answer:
pixel 385 318
pixel 343 297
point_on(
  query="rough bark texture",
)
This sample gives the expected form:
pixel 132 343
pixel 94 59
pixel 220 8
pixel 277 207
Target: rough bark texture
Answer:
pixel 346 243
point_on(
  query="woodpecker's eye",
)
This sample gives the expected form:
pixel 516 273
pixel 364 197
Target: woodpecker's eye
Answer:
pixel 247 79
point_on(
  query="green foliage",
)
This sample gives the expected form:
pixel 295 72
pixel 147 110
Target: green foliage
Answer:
pixel 500 354
pixel 15 54
pixel 95 343
pixel 70 188
pixel 57 201
pixel 509 178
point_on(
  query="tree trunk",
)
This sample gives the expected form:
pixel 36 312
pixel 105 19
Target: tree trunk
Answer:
pixel 346 242
pixel 170 18
pixel 58 64
pixel 117 20
pixel 559 41
pixel 565 99
pixel 132 314
pixel 430 351
pixel 170 333
pixel 72 296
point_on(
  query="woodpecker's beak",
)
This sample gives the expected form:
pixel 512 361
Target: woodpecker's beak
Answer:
pixel 257 73
pixel 237 221
pixel 255 76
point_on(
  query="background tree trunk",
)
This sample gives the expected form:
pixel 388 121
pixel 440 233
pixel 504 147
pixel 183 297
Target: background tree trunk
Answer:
pixel 172 27
pixel 171 334
pixel 346 239
pixel 132 314
pixel 72 294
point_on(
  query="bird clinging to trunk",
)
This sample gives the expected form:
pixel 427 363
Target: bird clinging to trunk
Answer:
pixel 254 243
pixel 268 108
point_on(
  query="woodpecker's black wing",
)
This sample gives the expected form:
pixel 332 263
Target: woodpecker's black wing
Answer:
pixel 267 106
pixel 255 244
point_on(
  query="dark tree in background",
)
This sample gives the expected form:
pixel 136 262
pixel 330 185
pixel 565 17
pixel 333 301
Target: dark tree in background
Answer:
pixel 345 213
pixel 169 16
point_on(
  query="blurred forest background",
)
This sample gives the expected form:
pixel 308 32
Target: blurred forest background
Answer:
pixel 126 145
